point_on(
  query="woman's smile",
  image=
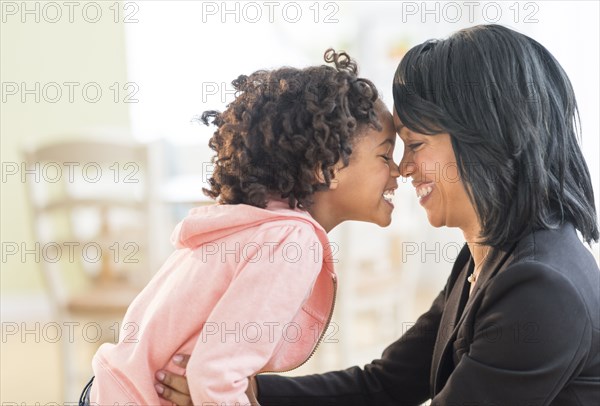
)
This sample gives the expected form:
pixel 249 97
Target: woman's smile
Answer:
pixel 424 190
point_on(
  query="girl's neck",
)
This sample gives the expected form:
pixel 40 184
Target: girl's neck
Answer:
pixel 323 213
pixel 320 211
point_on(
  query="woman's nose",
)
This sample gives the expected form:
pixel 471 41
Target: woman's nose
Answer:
pixel 406 168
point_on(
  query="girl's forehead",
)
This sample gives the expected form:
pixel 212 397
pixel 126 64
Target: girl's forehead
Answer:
pixel 386 119
pixel 385 136
pixel 371 138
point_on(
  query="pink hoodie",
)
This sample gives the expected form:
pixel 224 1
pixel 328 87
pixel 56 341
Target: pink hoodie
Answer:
pixel 248 290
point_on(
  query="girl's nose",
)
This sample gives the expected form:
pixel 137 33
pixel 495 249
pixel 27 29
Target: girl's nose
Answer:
pixel 394 170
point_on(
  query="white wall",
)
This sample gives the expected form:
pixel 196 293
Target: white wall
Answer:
pixel 48 55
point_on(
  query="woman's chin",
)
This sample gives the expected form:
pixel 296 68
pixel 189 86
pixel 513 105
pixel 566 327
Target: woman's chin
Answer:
pixel 434 221
pixel 384 222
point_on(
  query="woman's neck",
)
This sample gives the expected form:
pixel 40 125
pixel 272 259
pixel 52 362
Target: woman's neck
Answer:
pixel 479 251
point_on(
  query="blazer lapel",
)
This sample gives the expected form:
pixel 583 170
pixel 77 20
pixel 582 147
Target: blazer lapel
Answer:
pixel 452 310
pixel 504 259
pixel 450 322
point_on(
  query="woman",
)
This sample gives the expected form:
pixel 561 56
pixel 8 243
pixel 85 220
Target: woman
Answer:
pixel 488 121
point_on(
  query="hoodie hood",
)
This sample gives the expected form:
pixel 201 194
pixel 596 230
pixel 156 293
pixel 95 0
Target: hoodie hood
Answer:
pixel 209 223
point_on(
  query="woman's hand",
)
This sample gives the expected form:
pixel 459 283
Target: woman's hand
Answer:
pixel 174 388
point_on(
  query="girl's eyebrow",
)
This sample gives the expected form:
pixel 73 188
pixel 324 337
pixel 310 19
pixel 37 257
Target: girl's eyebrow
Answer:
pixel 386 141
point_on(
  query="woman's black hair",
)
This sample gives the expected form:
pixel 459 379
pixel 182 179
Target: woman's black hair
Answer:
pixel 512 117
pixel 286 131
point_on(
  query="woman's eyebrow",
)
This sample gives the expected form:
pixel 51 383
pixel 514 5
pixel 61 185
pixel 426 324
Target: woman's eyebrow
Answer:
pixel 399 132
pixel 399 127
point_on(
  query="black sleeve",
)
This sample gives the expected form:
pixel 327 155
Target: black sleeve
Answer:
pixel 531 335
pixel 399 377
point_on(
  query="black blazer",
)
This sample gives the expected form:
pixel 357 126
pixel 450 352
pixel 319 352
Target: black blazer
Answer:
pixel 528 335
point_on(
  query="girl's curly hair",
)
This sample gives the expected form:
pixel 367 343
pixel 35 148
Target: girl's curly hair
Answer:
pixel 284 128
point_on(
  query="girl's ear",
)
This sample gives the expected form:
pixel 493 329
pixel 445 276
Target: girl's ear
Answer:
pixel 334 183
pixel 321 178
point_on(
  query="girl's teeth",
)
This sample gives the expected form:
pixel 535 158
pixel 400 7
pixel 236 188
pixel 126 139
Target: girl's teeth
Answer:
pixel 388 195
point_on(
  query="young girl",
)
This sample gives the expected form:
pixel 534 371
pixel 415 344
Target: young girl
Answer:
pixel 251 287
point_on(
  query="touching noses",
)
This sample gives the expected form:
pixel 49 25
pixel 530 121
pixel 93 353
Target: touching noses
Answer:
pixel 406 167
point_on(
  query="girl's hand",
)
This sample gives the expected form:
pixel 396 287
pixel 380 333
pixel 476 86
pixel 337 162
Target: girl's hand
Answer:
pixel 174 388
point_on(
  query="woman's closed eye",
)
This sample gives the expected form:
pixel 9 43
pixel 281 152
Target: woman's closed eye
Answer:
pixel 414 146
pixel 386 158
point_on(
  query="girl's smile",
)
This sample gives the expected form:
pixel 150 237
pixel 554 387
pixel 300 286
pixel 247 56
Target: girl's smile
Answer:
pixel 363 190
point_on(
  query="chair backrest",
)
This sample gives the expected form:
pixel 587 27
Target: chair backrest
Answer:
pixel 90 213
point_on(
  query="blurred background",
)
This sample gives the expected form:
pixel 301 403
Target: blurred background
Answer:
pixel 100 159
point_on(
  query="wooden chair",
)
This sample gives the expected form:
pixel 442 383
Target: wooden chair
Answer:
pixel 90 204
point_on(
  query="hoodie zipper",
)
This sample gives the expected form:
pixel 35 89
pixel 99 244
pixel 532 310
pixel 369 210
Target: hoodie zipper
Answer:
pixel 334 280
